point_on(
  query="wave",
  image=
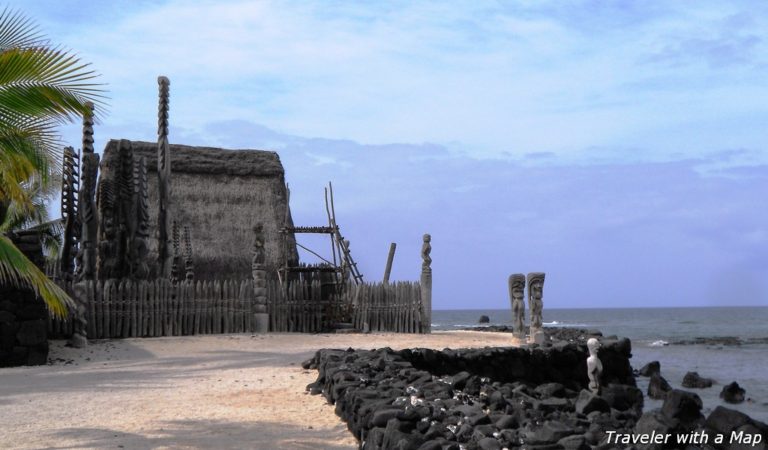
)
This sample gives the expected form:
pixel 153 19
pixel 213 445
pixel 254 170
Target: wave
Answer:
pixel 557 324
pixel 658 343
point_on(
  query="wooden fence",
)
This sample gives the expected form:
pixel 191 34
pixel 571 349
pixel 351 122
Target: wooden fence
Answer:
pixel 122 309
pixel 391 307
pixel 159 308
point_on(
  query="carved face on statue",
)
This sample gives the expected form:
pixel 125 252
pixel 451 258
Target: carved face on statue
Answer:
pixel 537 286
pixel 517 291
pixel 593 345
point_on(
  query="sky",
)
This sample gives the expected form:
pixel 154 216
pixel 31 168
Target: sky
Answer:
pixel 620 147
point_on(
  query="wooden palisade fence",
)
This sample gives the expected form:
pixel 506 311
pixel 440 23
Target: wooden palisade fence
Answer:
pixel 125 308
pixel 394 307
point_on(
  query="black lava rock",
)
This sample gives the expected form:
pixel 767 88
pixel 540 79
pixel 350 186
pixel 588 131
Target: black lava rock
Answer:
pixel 658 387
pixel 695 381
pixel 653 367
pixel 494 398
pixel 733 393
pixel 683 406
pixel 588 402
pixel 484 319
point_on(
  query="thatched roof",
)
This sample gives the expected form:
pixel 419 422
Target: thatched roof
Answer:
pixel 220 195
pixel 213 161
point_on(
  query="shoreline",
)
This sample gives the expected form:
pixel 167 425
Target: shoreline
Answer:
pixel 221 391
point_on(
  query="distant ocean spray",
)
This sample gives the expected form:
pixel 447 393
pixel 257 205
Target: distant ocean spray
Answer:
pixel 726 344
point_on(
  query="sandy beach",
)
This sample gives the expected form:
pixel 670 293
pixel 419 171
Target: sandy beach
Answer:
pixel 223 391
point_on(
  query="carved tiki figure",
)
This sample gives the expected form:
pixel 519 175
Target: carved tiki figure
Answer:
pixel 259 273
pixel 426 249
pixel 426 283
pixel 536 303
pixel 594 365
pixel 139 242
pixel 107 260
pixel 516 293
pixel 86 267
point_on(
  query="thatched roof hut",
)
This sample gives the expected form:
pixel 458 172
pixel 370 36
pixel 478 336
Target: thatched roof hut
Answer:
pixel 220 195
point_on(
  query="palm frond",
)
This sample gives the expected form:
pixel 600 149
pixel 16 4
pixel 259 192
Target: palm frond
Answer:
pixel 51 234
pixel 17 270
pixel 17 31
pixel 28 214
pixel 47 82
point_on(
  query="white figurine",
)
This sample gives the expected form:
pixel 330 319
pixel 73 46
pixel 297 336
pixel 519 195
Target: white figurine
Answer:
pixel 594 366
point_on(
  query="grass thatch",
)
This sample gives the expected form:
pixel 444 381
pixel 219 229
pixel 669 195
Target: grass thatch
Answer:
pixel 221 195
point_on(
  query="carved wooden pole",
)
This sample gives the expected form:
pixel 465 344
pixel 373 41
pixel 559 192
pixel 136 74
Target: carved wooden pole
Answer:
pixel 70 184
pixel 189 266
pixel 426 284
pixel 260 314
pixel 176 258
pixel 86 257
pixel 88 217
pixel 516 295
pixel 390 258
pixel 140 269
pixel 536 304
pixel 165 258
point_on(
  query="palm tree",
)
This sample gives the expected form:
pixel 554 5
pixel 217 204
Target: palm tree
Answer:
pixel 41 87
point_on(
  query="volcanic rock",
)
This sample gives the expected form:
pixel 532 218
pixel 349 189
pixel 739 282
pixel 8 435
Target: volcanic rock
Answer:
pixel 588 402
pixel 733 393
pixel 653 367
pixel 658 387
pixel 683 406
pixel 694 380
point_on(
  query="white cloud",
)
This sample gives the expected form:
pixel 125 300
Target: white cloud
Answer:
pixel 522 78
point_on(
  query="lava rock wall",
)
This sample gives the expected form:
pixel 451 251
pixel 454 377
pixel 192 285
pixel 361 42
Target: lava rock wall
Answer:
pixel 477 398
pixel 23 329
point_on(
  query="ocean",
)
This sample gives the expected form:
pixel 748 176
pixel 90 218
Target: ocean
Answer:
pixel 670 336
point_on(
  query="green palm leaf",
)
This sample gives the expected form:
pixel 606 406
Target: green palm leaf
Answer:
pixel 17 270
pixel 17 31
pixel 41 87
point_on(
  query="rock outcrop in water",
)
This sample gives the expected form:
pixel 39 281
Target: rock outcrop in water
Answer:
pixel 658 387
pixel 733 393
pixel 648 370
pixel 695 381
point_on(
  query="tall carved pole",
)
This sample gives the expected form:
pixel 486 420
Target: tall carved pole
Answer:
pixel 536 304
pixel 176 258
pixel 260 314
pixel 86 267
pixel 165 258
pixel 189 266
pixel 516 294
pixel 426 284
pixel 70 184
pixel 86 258
pixel 140 241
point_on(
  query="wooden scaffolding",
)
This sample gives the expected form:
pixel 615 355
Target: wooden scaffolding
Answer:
pixel 341 268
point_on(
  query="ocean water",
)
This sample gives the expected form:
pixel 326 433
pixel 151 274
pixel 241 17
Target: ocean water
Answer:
pixel 662 334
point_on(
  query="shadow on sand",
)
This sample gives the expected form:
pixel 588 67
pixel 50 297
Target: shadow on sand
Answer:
pixel 206 434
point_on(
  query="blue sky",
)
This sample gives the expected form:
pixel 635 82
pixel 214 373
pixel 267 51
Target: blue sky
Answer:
pixel 618 146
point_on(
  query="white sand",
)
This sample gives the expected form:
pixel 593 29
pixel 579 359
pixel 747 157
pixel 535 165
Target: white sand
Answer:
pixel 225 391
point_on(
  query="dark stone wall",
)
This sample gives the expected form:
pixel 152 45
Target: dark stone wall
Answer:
pixel 23 329
pixel 487 398
pixel 563 362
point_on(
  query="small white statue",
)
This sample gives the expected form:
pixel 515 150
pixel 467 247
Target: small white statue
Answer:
pixel 594 366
